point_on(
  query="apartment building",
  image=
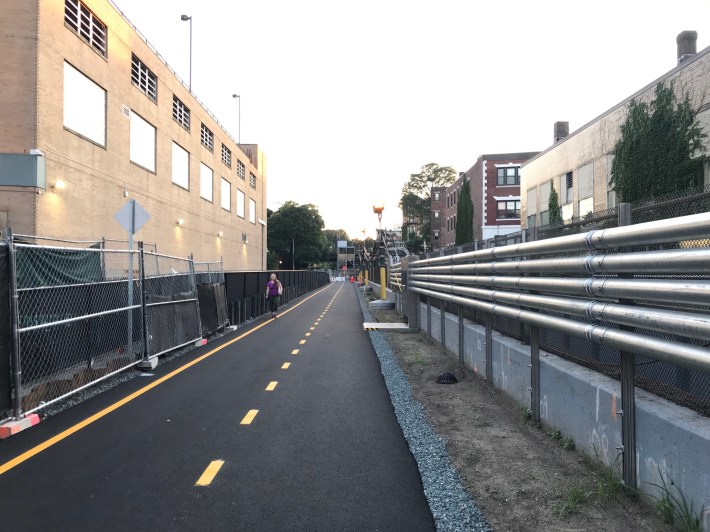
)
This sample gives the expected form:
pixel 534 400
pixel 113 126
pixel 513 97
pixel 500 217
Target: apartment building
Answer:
pixel 438 215
pixel 91 116
pixel 495 193
pixel 578 164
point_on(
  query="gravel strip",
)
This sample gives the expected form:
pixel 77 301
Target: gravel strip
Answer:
pixel 452 507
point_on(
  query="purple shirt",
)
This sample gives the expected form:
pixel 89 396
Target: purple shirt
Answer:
pixel 273 287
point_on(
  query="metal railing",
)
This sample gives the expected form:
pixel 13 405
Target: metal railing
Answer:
pixel 395 277
pixel 645 313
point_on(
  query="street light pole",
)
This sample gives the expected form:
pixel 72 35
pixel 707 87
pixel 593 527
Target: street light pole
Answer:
pixel 185 18
pixel 239 124
pixel 293 252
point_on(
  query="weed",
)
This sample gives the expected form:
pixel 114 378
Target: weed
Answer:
pixel 555 435
pixel 418 359
pixel 527 414
pixel 674 508
pixel 567 444
pixel 607 481
pixel 570 504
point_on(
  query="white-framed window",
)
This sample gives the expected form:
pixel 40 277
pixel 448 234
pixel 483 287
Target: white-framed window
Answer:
pixel 509 209
pixel 436 235
pixel 181 166
pixel 207 137
pixel 225 197
pixel 436 196
pixel 84 106
pixel 86 25
pixel 143 78
pixel 585 191
pixel 226 156
pixel 252 180
pixel 252 211
pixel 240 203
pixel 181 114
pixel 436 214
pixel 206 185
pixel 241 172
pixel 142 143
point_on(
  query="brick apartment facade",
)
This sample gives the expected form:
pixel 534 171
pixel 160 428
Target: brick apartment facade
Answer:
pixel 91 116
pixel 438 215
pixel 495 193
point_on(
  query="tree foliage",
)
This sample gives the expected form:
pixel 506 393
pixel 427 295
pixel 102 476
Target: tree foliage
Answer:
pixel 416 194
pixel 553 206
pixel 464 215
pixel 298 227
pixel 656 153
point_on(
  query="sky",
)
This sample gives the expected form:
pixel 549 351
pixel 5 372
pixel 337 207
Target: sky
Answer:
pixel 348 99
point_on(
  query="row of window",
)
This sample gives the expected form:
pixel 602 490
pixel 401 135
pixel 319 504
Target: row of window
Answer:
pixel 89 28
pixel 508 176
pixel 451 224
pixel 85 114
pixel 508 210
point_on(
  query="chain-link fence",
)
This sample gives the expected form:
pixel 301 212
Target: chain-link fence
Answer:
pixel 83 314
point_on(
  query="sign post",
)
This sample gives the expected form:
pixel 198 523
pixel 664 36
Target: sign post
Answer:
pixel 131 217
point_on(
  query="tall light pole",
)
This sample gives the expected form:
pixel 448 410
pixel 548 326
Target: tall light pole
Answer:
pixel 293 252
pixel 185 18
pixel 377 208
pixel 239 124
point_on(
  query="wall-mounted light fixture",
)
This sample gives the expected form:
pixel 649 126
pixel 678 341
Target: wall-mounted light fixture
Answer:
pixel 245 240
pixel 58 185
pixel 179 222
pixel 220 234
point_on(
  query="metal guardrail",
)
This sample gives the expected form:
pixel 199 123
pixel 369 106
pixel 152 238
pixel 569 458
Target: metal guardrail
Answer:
pixel 653 304
pixel 395 277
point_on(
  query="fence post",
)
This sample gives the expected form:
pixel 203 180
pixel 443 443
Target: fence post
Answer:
pixel 428 315
pixel 15 319
pixel 145 363
pixel 193 277
pixel 461 335
pixel 442 314
pixel 489 347
pixel 535 372
pixel 628 398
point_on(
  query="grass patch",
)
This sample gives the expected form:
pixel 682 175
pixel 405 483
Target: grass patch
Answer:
pixel 570 504
pixel 674 508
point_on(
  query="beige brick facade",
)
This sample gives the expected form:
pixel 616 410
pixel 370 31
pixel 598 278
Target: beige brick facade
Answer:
pixel 100 179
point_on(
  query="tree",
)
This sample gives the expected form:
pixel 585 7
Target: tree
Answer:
pixel 656 153
pixel 298 228
pixel 553 207
pixel 416 194
pixel 464 215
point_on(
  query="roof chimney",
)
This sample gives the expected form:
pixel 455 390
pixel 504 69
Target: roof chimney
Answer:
pixel 561 130
pixel 687 41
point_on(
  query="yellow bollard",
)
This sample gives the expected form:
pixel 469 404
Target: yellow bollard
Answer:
pixel 383 284
pixel 367 277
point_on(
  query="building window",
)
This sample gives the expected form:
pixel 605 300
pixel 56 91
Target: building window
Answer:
pixel 84 106
pixel 207 137
pixel 508 176
pixel 532 221
pixel 181 167
pixel 252 180
pixel 144 79
pixel 206 177
pixel 226 156
pixel 436 196
pixel 509 209
pixel 436 214
pixel 85 24
pixel 181 114
pixel 240 169
pixel 226 195
pixel 252 211
pixel 569 184
pixel 436 235
pixel 142 142
pixel 240 203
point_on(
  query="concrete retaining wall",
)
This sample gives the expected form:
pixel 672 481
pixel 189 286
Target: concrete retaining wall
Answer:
pixel 584 405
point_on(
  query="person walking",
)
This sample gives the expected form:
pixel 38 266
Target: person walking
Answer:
pixel 274 289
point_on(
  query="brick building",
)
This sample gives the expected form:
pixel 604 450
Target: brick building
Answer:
pixel 438 215
pixel 91 115
pixel 495 193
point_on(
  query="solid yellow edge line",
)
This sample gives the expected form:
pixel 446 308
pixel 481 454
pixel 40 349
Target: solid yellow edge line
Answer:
pixel 209 474
pixel 249 417
pixel 4 468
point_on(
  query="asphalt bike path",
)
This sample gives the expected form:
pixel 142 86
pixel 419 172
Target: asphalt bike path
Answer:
pixel 284 425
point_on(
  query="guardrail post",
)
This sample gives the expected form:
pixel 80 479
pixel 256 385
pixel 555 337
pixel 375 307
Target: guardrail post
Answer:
pixel 461 335
pixel 535 372
pixel 628 397
pixel 15 319
pixel 442 318
pixel 428 315
pixel 489 347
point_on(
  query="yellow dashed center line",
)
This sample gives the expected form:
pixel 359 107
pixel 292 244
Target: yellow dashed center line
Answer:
pixel 302 342
pixel 249 417
pixel 308 334
pixel 286 365
pixel 294 352
pixel 272 386
pixel 313 328
pixel 209 474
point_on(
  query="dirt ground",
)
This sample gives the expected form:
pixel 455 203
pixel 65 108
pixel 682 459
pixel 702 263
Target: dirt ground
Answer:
pixel 520 476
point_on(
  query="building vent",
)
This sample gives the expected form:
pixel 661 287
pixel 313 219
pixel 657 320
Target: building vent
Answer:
pixel 561 130
pixel 244 238
pixel 126 111
pixel 687 45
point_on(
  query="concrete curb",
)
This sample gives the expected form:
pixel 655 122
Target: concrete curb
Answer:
pixel 13 427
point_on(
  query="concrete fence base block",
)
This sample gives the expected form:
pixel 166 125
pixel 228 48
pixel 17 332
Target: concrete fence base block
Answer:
pixel 13 427
pixel 380 304
pixel 148 365
pixel 201 341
